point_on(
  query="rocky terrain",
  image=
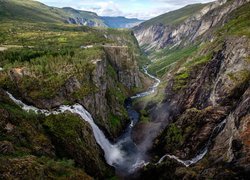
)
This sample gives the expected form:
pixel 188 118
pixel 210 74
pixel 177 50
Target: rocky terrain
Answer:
pixel 63 65
pixel 206 101
pixel 196 126
pixel 158 35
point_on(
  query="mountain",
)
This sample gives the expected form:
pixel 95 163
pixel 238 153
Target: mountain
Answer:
pixel 121 22
pixel 153 34
pixel 29 11
pixel 46 63
pixel 78 102
pixel 83 18
pixel 35 11
pixel 199 118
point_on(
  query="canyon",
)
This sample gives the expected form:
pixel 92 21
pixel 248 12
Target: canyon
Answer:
pixel 169 99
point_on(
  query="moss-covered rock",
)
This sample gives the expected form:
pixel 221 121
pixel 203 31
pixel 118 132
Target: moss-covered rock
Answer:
pixel 73 138
pixel 30 167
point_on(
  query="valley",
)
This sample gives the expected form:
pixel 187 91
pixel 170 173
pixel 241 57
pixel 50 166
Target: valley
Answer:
pixel 167 99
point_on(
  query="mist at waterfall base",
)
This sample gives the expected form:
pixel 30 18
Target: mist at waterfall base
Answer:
pixel 123 154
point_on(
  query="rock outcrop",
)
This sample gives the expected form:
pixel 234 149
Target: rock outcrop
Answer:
pixel 159 36
pixel 47 146
pixel 206 104
pixel 113 77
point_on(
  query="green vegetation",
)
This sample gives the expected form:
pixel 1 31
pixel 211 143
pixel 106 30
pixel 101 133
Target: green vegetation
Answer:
pixel 63 125
pixel 48 55
pixel 173 137
pixel 114 121
pixel 33 11
pixel 239 23
pixel 144 116
pixel 175 17
pixel 117 93
pixel 240 77
pixel 74 140
pixel 29 167
pixel 29 150
pixel 180 80
pixel 167 57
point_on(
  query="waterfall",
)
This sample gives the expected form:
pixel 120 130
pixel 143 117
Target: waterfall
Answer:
pixel 124 154
pixel 112 153
pixel 201 154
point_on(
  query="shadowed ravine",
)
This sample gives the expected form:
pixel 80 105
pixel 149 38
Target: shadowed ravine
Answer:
pixel 123 154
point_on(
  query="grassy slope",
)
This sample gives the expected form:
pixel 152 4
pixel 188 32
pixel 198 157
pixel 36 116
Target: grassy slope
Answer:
pixel 29 10
pixel 236 26
pixel 174 17
pixel 34 11
pixel 196 55
pixel 51 53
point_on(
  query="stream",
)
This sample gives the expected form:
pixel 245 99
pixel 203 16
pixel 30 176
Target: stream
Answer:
pixel 123 154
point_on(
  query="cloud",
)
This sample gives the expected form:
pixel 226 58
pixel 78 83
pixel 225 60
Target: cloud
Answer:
pixel 109 8
pixel 141 9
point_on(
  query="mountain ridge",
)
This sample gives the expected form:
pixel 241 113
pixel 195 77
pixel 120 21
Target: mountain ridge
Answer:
pixel 33 11
pixel 201 109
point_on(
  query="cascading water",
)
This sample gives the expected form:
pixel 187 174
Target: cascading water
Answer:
pixel 123 155
pixel 199 155
pixel 112 152
pixel 152 89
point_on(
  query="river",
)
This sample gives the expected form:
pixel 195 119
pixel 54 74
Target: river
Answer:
pixel 123 154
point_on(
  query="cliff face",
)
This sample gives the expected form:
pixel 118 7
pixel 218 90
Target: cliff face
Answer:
pixel 31 145
pixel 159 36
pixel 214 92
pixel 113 78
pixel 85 22
pixel 205 105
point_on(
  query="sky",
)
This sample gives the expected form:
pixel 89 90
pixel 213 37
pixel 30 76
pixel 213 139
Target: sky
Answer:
pixel 141 9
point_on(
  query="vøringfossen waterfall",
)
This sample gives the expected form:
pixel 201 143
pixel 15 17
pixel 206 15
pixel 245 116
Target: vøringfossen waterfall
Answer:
pixel 123 155
pixel 112 153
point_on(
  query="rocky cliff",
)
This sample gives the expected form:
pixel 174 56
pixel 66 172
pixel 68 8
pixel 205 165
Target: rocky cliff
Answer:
pixel 205 106
pixel 214 92
pixel 97 68
pixel 158 36
pixel 113 77
pixel 34 145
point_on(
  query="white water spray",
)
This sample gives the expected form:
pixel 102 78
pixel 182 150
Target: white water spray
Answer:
pixel 115 154
pixel 112 153
pixel 200 155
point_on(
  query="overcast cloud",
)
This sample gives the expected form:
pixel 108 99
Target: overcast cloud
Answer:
pixel 142 9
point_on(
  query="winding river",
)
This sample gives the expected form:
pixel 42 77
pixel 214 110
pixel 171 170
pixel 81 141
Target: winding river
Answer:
pixel 123 154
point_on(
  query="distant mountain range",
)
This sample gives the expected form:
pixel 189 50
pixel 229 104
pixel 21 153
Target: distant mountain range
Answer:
pixel 30 10
pixel 121 22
